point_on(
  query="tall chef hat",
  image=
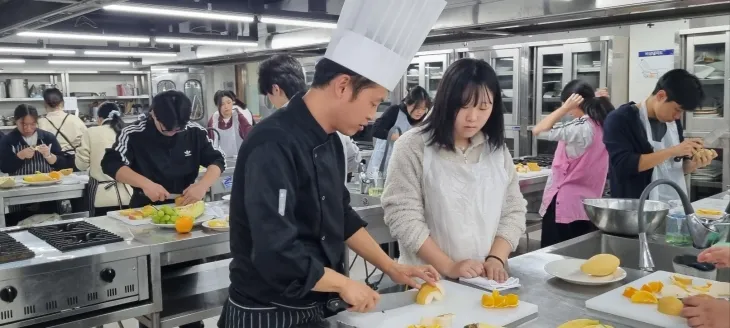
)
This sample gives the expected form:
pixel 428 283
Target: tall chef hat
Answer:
pixel 378 38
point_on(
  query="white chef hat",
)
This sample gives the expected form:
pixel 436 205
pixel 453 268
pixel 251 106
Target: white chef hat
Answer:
pixel 378 38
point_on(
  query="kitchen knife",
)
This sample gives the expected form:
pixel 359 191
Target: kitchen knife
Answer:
pixel 389 301
pixel 712 138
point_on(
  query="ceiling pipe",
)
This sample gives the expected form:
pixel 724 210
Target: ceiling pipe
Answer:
pixel 81 7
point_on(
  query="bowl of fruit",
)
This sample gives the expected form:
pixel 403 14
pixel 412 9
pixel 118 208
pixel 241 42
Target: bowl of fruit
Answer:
pixel 166 216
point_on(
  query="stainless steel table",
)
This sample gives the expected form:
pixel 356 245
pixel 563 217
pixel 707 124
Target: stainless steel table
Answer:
pixel 29 195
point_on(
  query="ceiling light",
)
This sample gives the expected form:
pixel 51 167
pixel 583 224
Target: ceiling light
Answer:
pixel 88 62
pixel 85 36
pixel 128 53
pixel 233 43
pixel 37 51
pixel 297 22
pixel 11 61
pixel 178 12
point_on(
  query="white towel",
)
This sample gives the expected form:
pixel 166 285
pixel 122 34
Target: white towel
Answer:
pixel 490 285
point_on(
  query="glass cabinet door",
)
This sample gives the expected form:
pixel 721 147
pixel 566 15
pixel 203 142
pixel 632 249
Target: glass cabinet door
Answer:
pixel 586 64
pixel 412 76
pixel 707 58
pixel 505 64
pixel 549 80
pixel 434 67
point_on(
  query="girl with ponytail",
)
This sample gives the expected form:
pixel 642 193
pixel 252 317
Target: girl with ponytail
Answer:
pixel 580 164
pixel 104 193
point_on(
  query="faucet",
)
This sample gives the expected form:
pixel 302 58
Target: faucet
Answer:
pixel 365 181
pixel 703 232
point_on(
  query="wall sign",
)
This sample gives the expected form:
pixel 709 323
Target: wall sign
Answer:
pixel 654 63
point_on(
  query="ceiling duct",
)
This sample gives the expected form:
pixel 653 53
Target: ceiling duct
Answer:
pixel 51 17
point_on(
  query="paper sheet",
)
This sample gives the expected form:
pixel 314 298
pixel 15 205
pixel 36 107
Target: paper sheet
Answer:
pixel 711 204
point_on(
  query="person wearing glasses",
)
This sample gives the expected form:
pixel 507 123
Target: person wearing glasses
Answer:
pixel 160 156
pixel 27 150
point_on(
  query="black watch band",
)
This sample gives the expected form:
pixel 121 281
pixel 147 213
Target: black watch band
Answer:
pixel 494 257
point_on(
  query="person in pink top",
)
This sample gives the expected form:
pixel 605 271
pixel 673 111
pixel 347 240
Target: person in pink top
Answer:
pixel 580 165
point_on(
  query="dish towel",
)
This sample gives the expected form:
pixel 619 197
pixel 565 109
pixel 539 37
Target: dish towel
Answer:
pixel 491 285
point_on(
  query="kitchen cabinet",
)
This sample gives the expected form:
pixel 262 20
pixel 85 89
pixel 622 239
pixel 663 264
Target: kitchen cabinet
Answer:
pixel 189 80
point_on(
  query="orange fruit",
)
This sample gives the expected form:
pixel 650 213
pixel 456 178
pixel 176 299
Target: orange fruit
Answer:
pixel 656 286
pixel 487 301
pixel 670 306
pixel 643 297
pixel 55 175
pixel 512 300
pixel 184 224
pixel 428 293
pixel 629 291
pixel 497 301
pixel 67 171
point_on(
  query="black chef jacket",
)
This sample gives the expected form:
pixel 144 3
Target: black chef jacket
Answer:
pixel 172 162
pixel 290 210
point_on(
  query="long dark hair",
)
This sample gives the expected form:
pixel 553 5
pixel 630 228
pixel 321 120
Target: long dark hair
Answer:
pixel 24 110
pixel 218 99
pixel 53 97
pixel 463 84
pixel 415 96
pixel 112 116
pixel 597 108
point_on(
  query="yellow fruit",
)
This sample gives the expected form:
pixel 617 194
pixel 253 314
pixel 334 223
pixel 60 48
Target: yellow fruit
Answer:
pixel 481 325
pixel 67 171
pixel 674 291
pixel 184 224
pixel 7 182
pixel 193 210
pixel 495 300
pixel 601 265
pixel 428 293
pixel 533 167
pixel 629 291
pixel 670 305
pixel 681 279
pixel 148 210
pixel 579 323
pixel 599 326
pixel 643 297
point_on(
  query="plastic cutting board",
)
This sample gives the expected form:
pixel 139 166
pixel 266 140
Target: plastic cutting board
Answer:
pixel 462 301
pixel 641 315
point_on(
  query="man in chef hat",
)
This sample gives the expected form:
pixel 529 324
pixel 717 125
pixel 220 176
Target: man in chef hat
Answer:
pixel 290 217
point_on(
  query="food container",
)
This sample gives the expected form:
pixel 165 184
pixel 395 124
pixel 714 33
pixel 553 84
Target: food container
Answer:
pixel 677 231
pixel 621 216
pixel 18 88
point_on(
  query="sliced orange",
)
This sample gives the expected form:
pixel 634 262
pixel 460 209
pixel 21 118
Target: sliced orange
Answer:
pixel 643 297
pixel 656 286
pixel 487 301
pixel 55 175
pixel 647 288
pixel 629 291
pixel 497 301
pixel 67 171
pixel 512 300
pixel 681 279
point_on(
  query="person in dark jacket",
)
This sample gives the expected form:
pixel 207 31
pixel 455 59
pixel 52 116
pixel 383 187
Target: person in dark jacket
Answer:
pixel 161 156
pixel 26 150
pixel 645 141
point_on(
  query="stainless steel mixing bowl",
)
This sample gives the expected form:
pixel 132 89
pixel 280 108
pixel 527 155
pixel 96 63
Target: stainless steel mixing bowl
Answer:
pixel 620 216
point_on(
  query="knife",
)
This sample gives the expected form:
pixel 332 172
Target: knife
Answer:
pixel 712 138
pixel 388 302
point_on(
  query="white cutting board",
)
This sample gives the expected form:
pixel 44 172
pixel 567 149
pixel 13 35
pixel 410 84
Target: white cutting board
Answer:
pixel 462 301
pixel 614 303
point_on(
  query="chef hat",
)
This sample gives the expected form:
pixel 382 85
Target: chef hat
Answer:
pixel 378 38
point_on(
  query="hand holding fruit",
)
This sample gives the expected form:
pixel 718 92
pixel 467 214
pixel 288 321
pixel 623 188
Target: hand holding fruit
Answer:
pixel 706 312
pixel 194 193
pixel 155 192
pixel 44 150
pixel 26 153
pixel 687 148
pixel 703 157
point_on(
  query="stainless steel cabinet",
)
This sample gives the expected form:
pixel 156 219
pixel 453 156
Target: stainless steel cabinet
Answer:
pixel 426 71
pixel 189 80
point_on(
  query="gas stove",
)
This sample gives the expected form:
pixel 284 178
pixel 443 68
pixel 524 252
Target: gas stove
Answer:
pixel 11 250
pixel 74 235
pixel 363 145
pixel 541 160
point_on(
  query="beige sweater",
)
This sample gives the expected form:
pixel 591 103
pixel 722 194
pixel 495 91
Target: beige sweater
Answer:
pixel 88 157
pixel 73 128
pixel 402 198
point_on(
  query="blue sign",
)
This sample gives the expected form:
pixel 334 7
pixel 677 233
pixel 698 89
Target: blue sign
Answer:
pixel 227 182
pixel 652 53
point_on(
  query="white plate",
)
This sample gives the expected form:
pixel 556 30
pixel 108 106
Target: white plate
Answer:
pixel 197 222
pixel 205 224
pixel 569 270
pixel 227 197
pixel 42 183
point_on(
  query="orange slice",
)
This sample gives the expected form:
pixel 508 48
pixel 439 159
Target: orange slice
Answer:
pixel 498 301
pixel 681 279
pixel 656 286
pixel 428 293
pixel 487 301
pixel 629 291
pixel 55 175
pixel 643 297
pixel 512 300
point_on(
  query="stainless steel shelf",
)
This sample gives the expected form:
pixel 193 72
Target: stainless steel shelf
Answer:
pixel 589 70
pixel 20 99
pixel 712 81
pixel 706 184
pixel 553 71
pixel 114 97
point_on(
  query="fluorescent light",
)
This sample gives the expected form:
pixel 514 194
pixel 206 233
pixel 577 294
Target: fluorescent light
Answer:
pixel 11 61
pixel 88 62
pixel 177 12
pixel 84 72
pixel 128 53
pixel 297 22
pixel 207 42
pixel 37 51
pixel 85 36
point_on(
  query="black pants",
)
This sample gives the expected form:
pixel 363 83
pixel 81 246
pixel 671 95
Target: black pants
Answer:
pixel 553 232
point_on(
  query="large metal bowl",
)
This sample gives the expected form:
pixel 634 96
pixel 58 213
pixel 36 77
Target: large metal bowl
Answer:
pixel 621 216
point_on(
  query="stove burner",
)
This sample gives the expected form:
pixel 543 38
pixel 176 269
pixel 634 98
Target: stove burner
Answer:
pixel 74 235
pixel 541 160
pixel 364 145
pixel 11 250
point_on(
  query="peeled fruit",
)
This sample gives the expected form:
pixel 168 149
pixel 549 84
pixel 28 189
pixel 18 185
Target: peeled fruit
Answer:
pixel 629 291
pixel 179 201
pixel 497 301
pixel 670 305
pixel 643 297
pixel 681 279
pixel 193 210
pixel 600 265
pixel 428 293
pixel 674 291
pixel 7 182
pixel 184 224
pixel 38 177
pixel 148 210
pixel 533 167
pixel 136 215
pixel 442 321
pixel 55 175
pixel 67 171
pixel 579 323
pixel 653 287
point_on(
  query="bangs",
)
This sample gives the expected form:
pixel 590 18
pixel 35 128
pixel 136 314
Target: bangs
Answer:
pixel 476 94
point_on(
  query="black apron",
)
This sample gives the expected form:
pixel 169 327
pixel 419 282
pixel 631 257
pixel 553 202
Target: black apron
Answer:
pixel 279 316
pixel 70 154
pixel 30 166
pixel 94 185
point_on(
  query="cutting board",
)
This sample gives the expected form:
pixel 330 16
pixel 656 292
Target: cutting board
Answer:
pixel 462 301
pixel 642 315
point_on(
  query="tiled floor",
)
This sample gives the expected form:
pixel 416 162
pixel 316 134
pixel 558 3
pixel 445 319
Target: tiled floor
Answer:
pixel 357 272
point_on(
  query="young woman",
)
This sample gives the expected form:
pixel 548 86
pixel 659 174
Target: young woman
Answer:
pixel 396 120
pixel 68 129
pixel 232 122
pixel 27 150
pixel 452 197
pixel 105 193
pixel 580 165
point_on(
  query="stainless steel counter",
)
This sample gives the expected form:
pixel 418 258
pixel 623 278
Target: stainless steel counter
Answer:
pixel 34 194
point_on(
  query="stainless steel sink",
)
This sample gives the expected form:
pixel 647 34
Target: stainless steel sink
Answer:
pixel 370 210
pixel 626 249
pixel 360 200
